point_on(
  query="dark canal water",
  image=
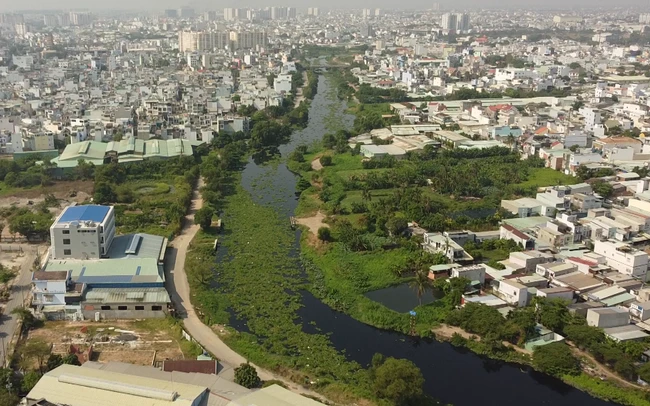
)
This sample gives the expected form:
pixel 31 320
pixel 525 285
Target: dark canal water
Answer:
pixel 451 375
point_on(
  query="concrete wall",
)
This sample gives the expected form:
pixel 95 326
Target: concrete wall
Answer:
pixel 607 320
pixel 89 310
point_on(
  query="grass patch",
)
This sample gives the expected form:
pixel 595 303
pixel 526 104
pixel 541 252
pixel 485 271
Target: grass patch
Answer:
pixel 608 391
pixel 190 349
pixel 540 177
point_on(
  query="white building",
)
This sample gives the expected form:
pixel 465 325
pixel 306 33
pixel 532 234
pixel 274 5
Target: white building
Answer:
pixel 608 317
pixel 513 292
pixel 48 288
pixel 623 258
pixel 282 84
pixel 82 232
pixel 473 273
pixel 592 117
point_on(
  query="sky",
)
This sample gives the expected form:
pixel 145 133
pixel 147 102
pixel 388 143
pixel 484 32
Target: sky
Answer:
pixel 10 5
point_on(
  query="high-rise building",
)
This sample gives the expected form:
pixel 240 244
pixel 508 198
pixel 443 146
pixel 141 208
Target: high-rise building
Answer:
pixel 312 11
pixel 192 41
pixel 644 18
pixel 367 31
pixel 291 12
pixel 80 18
pixel 248 39
pixel 50 20
pixel 171 13
pixel 186 12
pixel 377 12
pixel 365 13
pixel 449 21
pixel 436 7
pixel 21 29
pixel 241 14
pixel 229 14
pixel 279 13
pixel 209 16
pixel 462 22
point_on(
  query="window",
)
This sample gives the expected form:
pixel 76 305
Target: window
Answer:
pixel 139 308
pixel 156 308
pixel 66 231
pixel 121 307
pixel 106 308
pixel 67 252
pixel 66 241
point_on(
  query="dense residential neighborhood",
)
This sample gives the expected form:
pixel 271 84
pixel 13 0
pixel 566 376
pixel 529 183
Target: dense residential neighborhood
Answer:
pixel 284 206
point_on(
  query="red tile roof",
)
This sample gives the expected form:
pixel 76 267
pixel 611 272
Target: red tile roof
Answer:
pixel 516 232
pixel 582 261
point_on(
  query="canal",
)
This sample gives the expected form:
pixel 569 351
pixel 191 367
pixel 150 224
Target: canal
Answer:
pixel 452 375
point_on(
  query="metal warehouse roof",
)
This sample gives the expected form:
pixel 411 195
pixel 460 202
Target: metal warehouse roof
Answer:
pixel 274 395
pixel 94 213
pixel 77 386
pixel 127 295
pixel 149 246
pixel 105 271
pixel 625 333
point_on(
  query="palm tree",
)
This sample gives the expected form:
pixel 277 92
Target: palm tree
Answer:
pixel 420 284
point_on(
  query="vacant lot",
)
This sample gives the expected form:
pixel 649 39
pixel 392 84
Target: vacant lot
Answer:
pixel 137 342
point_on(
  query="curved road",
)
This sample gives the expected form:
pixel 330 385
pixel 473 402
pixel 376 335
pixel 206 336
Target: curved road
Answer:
pixel 179 290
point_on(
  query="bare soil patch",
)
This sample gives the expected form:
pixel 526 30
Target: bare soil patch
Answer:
pixel 313 223
pixel 122 341
pixel 316 165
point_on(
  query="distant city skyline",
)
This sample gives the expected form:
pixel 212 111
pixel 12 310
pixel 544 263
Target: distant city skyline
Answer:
pixel 13 5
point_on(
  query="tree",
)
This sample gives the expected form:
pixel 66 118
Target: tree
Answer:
pixel 324 234
pixel 203 217
pixel 605 189
pixel 30 380
pixel 583 336
pixel 396 225
pixel 53 361
pixel 575 65
pixel 84 170
pixel 574 148
pixel 420 284
pixel 35 349
pixel 246 376
pixel 555 359
pixel 71 359
pixel 553 313
pixel 326 160
pixel 104 193
pixel 397 380
pixel 25 316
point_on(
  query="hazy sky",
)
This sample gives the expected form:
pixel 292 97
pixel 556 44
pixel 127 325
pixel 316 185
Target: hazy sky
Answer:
pixel 9 5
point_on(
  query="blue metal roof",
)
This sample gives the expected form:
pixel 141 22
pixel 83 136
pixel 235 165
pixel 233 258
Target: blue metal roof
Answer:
pixel 94 213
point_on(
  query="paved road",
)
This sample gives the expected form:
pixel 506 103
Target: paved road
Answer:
pixel 179 290
pixel 20 291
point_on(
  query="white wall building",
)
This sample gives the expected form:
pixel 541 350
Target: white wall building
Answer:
pixel 623 258
pixel 48 288
pixel 82 232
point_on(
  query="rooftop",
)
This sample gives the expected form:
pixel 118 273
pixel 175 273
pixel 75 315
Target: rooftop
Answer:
pixel 110 271
pixel 127 295
pixel 94 213
pixel 144 246
pixel 77 386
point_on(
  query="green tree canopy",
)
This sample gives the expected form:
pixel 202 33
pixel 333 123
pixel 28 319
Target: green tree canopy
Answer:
pixel 555 359
pixel 203 217
pixel 397 380
pixel 246 376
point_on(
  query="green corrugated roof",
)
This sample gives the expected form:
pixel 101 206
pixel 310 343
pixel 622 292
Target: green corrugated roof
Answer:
pixel 127 295
pixel 125 270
